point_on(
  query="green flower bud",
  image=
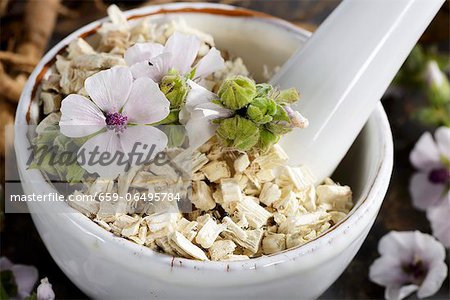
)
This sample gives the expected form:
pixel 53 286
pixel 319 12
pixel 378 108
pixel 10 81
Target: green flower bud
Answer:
pixel 288 96
pixel 263 89
pixel 175 88
pixel 238 132
pixel 267 139
pixel 237 92
pixel 261 110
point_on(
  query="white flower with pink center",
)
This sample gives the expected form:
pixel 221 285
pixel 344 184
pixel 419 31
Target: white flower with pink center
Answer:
pixel 154 60
pixel 117 115
pixel 410 262
pixel 431 157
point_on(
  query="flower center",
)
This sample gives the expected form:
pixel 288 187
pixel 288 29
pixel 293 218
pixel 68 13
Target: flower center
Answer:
pixel 416 271
pixel 116 121
pixel 439 176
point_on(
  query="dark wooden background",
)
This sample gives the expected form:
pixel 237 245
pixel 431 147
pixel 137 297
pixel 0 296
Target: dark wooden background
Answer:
pixel 21 243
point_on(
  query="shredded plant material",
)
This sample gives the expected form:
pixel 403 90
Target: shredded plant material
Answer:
pixel 246 200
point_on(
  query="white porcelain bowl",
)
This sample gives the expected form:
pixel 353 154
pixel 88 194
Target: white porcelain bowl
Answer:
pixel 106 266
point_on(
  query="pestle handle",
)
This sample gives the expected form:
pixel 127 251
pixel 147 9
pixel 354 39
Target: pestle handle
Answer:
pixel 343 71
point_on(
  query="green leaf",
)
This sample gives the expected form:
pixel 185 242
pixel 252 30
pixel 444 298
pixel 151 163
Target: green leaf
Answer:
pixel 8 288
pixel 267 139
pixel 263 89
pixel 74 173
pixel 176 135
pixel 237 92
pixel 288 96
pixel 32 297
pixel 238 132
pixel 281 115
pixel 172 118
pixel 280 128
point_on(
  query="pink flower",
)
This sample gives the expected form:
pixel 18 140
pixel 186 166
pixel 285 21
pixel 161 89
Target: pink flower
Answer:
pixel 45 291
pixel 116 116
pixel 409 262
pixel 154 60
pixel 432 159
pixel 439 217
pixel 25 277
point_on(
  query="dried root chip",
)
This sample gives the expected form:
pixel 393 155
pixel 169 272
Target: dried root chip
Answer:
pixel 340 197
pixel 188 228
pixel 231 191
pixel 241 163
pixel 251 243
pixel 273 243
pixel 234 229
pixel 187 247
pixel 209 233
pixel 288 205
pixel 299 177
pixel 270 193
pixel 256 215
pixel 216 170
pixel 202 196
pixel 221 249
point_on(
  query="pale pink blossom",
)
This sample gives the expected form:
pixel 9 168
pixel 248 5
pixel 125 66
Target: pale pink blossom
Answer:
pixel 410 262
pixel 431 157
pixel 154 60
pixel 25 277
pixel 116 116
pixel 45 291
pixel 439 217
pixel 199 112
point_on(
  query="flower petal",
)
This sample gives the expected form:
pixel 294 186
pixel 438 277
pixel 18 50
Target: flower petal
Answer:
pixel 26 277
pixel 80 117
pixel 397 244
pixel 140 52
pixel 155 68
pixel 424 193
pixel 44 290
pixel 184 49
pixel 198 95
pixel 437 272
pixel 438 217
pixel 387 271
pixel 146 103
pixel 442 135
pixel 199 131
pixel 5 264
pixel 106 142
pixel 143 139
pixel 425 155
pixel 399 292
pixel 209 64
pixel 109 89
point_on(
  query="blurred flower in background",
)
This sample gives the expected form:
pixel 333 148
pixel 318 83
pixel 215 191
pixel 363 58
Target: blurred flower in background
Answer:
pixel 431 157
pixel 410 261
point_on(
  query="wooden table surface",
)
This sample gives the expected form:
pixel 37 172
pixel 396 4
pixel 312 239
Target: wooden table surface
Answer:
pixel 21 243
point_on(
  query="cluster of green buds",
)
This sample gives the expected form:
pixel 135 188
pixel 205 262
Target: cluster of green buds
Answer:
pixel 262 114
pixel 175 87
